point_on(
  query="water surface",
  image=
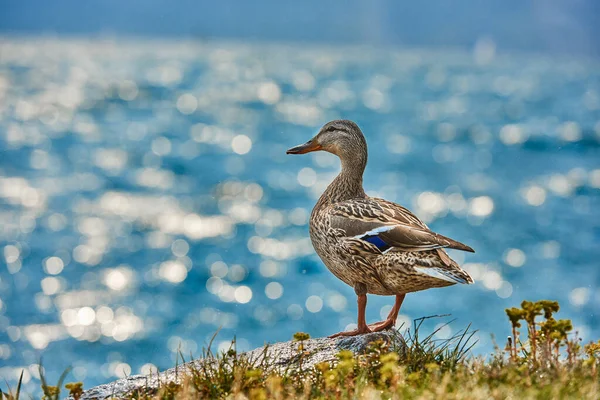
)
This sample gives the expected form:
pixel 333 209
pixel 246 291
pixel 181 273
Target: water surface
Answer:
pixel 146 198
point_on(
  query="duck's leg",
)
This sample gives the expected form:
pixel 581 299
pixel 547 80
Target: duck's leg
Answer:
pixel 361 292
pixel 390 321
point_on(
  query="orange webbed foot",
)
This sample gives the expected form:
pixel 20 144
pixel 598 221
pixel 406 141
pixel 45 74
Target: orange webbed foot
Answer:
pixel 354 332
pixel 382 325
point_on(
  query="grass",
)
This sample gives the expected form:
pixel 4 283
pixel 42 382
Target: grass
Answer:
pixel 542 359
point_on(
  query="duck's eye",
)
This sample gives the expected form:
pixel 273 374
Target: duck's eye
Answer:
pixel 330 129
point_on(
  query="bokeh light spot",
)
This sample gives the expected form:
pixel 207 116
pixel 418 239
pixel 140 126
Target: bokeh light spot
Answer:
pixel 243 294
pixel 274 290
pixel 241 144
pixel 314 304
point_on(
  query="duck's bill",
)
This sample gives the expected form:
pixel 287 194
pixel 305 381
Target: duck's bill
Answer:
pixel 304 148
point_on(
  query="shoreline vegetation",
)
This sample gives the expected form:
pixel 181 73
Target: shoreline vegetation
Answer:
pixel 543 358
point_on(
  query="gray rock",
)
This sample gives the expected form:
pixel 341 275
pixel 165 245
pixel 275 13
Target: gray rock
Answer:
pixel 280 356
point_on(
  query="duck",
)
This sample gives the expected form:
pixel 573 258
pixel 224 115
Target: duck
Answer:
pixel 373 245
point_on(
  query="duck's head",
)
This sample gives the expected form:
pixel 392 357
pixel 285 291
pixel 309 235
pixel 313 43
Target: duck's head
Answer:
pixel 340 137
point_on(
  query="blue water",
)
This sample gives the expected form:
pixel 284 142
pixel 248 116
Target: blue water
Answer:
pixel 146 198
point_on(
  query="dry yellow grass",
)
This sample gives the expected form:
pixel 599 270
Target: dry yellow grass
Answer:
pixel 550 364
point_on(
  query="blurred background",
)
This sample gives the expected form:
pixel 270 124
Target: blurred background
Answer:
pixel 146 199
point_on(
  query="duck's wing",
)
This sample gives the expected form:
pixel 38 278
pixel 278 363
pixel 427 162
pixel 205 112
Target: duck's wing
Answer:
pixel 387 226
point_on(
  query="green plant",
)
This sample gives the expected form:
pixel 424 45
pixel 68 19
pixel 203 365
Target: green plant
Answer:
pixel 422 367
pixel 10 395
pixel 550 337
pixel 75 389
pixel 51 392
pixel 447 353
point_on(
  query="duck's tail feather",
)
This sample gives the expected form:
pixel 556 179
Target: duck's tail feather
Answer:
pixel 448 275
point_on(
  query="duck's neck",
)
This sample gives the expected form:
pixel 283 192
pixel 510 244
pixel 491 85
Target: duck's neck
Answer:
pixel 348 184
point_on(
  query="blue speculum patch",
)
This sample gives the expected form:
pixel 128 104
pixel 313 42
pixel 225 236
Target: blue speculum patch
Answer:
pixel 377 241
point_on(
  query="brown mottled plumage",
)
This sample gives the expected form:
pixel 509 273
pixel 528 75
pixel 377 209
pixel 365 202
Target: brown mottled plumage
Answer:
pixel 373 245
